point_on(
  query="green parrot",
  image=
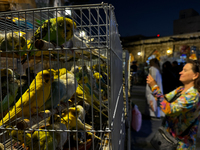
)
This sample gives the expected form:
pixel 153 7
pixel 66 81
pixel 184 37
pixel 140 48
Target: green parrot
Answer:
pixel 56 26
pixel 7 98
pixel 83 91
pixel 83 95
pixel 88 78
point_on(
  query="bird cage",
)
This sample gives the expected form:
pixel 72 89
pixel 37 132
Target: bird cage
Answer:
pixel 61 79
pixel 127 103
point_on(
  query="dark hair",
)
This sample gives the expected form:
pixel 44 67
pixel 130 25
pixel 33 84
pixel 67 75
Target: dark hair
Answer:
pixel 155 62
pixel 167 65
pixel 175 63
pixel 195 69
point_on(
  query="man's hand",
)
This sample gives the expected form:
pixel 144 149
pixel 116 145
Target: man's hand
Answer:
pixel 150 81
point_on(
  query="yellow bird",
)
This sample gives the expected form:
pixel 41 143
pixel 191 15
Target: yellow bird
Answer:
pixel 72 118
pixel 104 86
pixel 69 118
pixel 84 90
pixel 59 72
pixel 13 41
pixel 84 94
pixel 33 96
pixel 62 89
pixel 40 139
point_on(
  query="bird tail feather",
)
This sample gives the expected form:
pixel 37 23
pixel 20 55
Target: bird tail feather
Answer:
pixel 10 115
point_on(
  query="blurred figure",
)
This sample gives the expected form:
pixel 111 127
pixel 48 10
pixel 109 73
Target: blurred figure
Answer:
pixel 175 64
pixel 176 69
pixel 154 71
pixel 146 69
pixel 181 66
pixel 134 69
pixel 169 78
pixel 146 72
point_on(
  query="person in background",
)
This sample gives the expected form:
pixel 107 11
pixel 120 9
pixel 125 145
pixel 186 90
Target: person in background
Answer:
pixel 146 69
pixel 168 77
pixel 134 69
pixel 181 66
pixel 182 115
pixel 176 69
pixel 154 71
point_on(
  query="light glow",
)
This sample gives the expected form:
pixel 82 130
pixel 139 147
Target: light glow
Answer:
pixel 169 51
pixel 82 34
pixel 68 12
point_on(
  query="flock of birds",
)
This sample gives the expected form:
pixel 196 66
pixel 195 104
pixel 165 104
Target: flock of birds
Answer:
pixel 55 30
pixel 81 90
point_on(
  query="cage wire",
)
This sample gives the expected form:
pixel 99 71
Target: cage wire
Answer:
pixel 61 78
pixel 127 102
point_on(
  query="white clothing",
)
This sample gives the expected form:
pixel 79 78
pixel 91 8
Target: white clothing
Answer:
pixel 154 72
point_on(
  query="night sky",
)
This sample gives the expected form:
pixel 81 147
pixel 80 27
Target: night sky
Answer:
pixel 148 17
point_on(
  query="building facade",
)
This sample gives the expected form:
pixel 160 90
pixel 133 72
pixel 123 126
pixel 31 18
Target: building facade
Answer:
pixel 183 45
pixel 188 22
pixel 177 47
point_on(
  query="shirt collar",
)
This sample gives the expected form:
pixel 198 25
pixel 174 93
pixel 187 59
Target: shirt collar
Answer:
pixel 191 89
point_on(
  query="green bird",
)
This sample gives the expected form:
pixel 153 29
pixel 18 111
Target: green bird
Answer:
pixel 84 90
pixel 56 27
pixel 8 95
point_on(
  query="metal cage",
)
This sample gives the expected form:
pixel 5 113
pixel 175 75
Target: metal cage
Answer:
pixel 61 79
pixel 127 104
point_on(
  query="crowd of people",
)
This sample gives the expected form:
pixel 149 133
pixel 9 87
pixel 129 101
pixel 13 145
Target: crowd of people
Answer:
pixel 169 72
pixel 172 93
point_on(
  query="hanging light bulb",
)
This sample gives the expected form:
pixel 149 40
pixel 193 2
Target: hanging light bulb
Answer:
pixel 139 53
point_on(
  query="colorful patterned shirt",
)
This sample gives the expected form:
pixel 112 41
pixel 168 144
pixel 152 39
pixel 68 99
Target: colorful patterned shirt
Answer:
pixel 180 114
